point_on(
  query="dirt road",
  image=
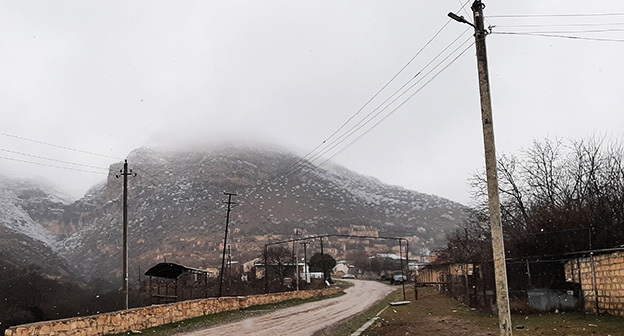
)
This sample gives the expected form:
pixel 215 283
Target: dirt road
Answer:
pixel 307 318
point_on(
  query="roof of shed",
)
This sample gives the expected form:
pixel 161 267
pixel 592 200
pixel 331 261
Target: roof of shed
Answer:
pixel 171 270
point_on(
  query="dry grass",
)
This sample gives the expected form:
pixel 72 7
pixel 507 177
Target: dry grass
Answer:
pixel 435 314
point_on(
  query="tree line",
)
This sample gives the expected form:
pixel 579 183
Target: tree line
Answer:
pixel 556 197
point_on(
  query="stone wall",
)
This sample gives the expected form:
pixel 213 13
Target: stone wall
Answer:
pixel 607 286
pixel 147 317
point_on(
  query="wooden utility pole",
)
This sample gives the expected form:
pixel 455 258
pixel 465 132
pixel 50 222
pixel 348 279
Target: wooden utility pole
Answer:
pixel 498 248
pixel 227 222
pixel 125 173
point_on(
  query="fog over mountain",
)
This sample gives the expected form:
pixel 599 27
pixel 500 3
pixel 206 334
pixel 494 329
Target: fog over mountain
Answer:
pixel 176 211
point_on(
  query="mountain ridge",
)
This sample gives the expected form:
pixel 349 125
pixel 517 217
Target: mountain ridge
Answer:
pixel 176 210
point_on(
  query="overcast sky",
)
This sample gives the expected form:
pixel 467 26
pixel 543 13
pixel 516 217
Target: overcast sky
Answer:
pixel 111 76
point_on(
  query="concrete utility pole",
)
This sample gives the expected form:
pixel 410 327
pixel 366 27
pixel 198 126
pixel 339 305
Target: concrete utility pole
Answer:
pixel 227 222
pixel 402 269
pixel 295 259
pixel 125 173
pixel 266 269
pixel 305 260
pixel 323 261
pixel 500 271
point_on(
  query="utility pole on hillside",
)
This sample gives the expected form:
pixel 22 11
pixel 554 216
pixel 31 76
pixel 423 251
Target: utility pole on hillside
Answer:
pixel 500 271
pixel 227 222
pixel 125 173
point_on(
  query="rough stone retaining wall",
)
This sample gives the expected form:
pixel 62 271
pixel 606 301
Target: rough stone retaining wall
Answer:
pixel 147 317
pixel 607 286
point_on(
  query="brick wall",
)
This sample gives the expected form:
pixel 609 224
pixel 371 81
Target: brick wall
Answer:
pixel 147 317
pixel 608 285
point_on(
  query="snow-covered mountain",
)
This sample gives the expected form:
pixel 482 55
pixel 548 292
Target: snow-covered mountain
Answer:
pixel 176 210
pixel 24 241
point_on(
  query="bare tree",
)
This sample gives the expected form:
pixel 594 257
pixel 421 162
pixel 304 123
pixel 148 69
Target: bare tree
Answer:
pixel 554 196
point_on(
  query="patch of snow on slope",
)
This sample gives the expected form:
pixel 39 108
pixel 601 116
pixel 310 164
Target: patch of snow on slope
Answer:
pixel 15 218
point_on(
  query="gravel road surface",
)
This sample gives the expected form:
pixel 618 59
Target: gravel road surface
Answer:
pixel 307 318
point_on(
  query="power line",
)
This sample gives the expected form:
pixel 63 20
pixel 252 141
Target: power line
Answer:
pixel 51 159
pixel 376 112
pixel 581 24
pixel 575 31
pixel 52 166
pixel 306 156
pixel 397 107
pixel 463 7
pixel 400 105
pixel 58 146
pixel 390 103
pixel 560 36
pixel 555 15
pixel 372 115
pixel 303 162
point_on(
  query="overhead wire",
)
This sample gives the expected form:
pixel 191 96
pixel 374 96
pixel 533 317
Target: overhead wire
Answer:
pixel 377 111
pixel 367 131
pixel 554 15
pixel 371 115
pixel 400 105
pixel 574 31
pixel 302 159
pixel 599 39
pixel 51 159
pixel 52 166
pixel 59 146
pixel 580 24
pixel 303 162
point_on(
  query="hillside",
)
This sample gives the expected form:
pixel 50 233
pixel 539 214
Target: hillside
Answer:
pixel 176 212
pixel 24 241
pixel 176 209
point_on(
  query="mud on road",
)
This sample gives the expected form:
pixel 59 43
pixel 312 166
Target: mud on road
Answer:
pixel 307 318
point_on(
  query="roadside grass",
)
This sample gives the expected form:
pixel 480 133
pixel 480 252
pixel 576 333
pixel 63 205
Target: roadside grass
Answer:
pixel 568 324
pixel 348 326
pixel 436 314
pixel 207 321
pixel 342 284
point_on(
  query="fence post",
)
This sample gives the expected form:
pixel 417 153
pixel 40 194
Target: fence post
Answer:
pixel 581 291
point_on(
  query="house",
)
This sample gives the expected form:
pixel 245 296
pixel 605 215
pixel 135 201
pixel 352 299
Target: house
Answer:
pixel 340 269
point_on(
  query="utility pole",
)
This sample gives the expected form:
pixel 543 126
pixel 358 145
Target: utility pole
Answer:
pixel 305 260
pixel 500 271
pixel 229 266
pixel 402 269
pixel 266 269
pixel 296 257
pixel 323 260
pixel 296 268
pixel 227 222
pixel 125 173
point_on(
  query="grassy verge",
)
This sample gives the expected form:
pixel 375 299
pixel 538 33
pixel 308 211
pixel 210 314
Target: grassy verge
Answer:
pixel 342 284
pixel 347 327
pixel 436 314
pixel 206 321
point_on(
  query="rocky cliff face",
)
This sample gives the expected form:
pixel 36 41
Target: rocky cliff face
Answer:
pixel 176 210
pixel 24 241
